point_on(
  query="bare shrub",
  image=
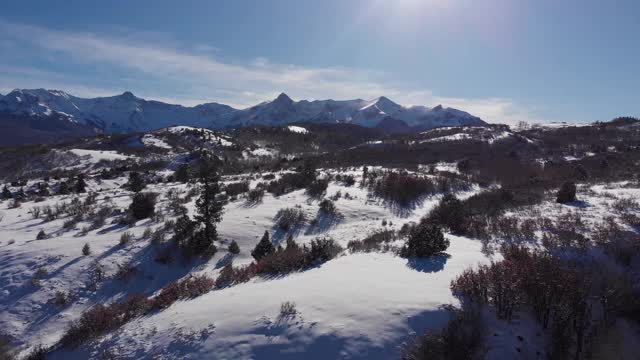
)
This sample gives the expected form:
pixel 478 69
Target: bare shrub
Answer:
pixel 183 289
pixel 126 238
pixel 373 242
pixel 288 309
pixel 289 218
pixel 60 299
pixel 255 196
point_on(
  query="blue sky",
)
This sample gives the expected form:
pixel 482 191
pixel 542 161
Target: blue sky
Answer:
pixel 504 60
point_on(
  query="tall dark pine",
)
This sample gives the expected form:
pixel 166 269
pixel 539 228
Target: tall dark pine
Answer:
pixel 209 210
pixel 80 184
pixel 6 193
pixel 136 182
pixel 263 248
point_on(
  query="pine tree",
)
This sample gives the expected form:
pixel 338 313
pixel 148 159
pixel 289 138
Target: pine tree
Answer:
pixel 43 189
pixel 291 244
pixel 425 239
pixel 6 193
pixel 182 173
pixel 567 193
pixel 63 188
pixel 80 184
pixel 135 183
pixel 20 195
pixel 263 248
pixel 86 250
pixel 234 248
pixel 365 174
pixel 209 210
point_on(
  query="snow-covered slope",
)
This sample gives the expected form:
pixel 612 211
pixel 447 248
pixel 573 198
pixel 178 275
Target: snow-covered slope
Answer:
pixel 127 113
pixel 283 110
pixel 118 114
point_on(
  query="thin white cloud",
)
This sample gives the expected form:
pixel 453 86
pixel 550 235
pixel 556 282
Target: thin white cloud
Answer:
pixel 240 85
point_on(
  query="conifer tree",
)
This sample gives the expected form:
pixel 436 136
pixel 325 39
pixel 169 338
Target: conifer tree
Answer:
pixel 209 209
pixel 63 188
pixel 136 182
pixel 80 184
pixel 263 248
pixel 6 193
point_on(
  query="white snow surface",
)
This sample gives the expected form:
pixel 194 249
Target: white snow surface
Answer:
pixel 152 140
pixel 297 129
pixel 355 306
pixel 95 156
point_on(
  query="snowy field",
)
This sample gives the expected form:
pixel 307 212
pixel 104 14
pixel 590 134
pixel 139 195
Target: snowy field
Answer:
pixel 357 306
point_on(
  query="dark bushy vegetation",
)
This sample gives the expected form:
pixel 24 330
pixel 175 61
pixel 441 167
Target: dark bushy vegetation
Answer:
pixel 263 248
pixel 425 239
pixel 317 188
pixel 567 193
pixel 143 205
pixel 237 188
pixel 234 248
pixel 450 213
pixel 401 188
pixel 136 182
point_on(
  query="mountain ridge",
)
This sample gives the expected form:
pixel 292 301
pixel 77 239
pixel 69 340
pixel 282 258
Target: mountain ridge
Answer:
pixel 126 112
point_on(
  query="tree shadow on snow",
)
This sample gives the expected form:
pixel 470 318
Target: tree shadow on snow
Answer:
pixel 428 265
pixel 580 204
pixel 322 223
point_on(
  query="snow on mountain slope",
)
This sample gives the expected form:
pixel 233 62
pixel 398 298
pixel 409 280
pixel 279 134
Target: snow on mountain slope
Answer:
pixel 118 114
pixel 283 110
pixel 127 113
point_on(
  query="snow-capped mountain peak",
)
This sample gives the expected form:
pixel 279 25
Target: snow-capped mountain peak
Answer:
pixel 128 113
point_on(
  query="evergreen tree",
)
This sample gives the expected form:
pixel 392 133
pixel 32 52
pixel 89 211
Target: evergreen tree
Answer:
pixel 263 248
pixel 183 229
pixel 234 248
pixel 86 250
pixel 209 210
pixel 567 193
pixel 63 188
pixel 450 213
pixel 136 182
pixel 291 244
pixel 6 193
pixel 80 184
pixel 182 173
pixel 365 174
pixel 425 239
pixel 43 189
pixel 20 195
pixel 41 235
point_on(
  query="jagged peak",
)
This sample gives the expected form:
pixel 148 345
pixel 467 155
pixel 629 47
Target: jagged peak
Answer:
pixel 283 98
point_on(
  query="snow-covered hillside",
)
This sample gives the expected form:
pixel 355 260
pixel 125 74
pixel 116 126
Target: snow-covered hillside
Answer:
pixel 356 306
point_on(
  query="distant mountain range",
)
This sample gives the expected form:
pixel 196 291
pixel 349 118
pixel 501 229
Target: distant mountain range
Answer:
pixel 127 113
